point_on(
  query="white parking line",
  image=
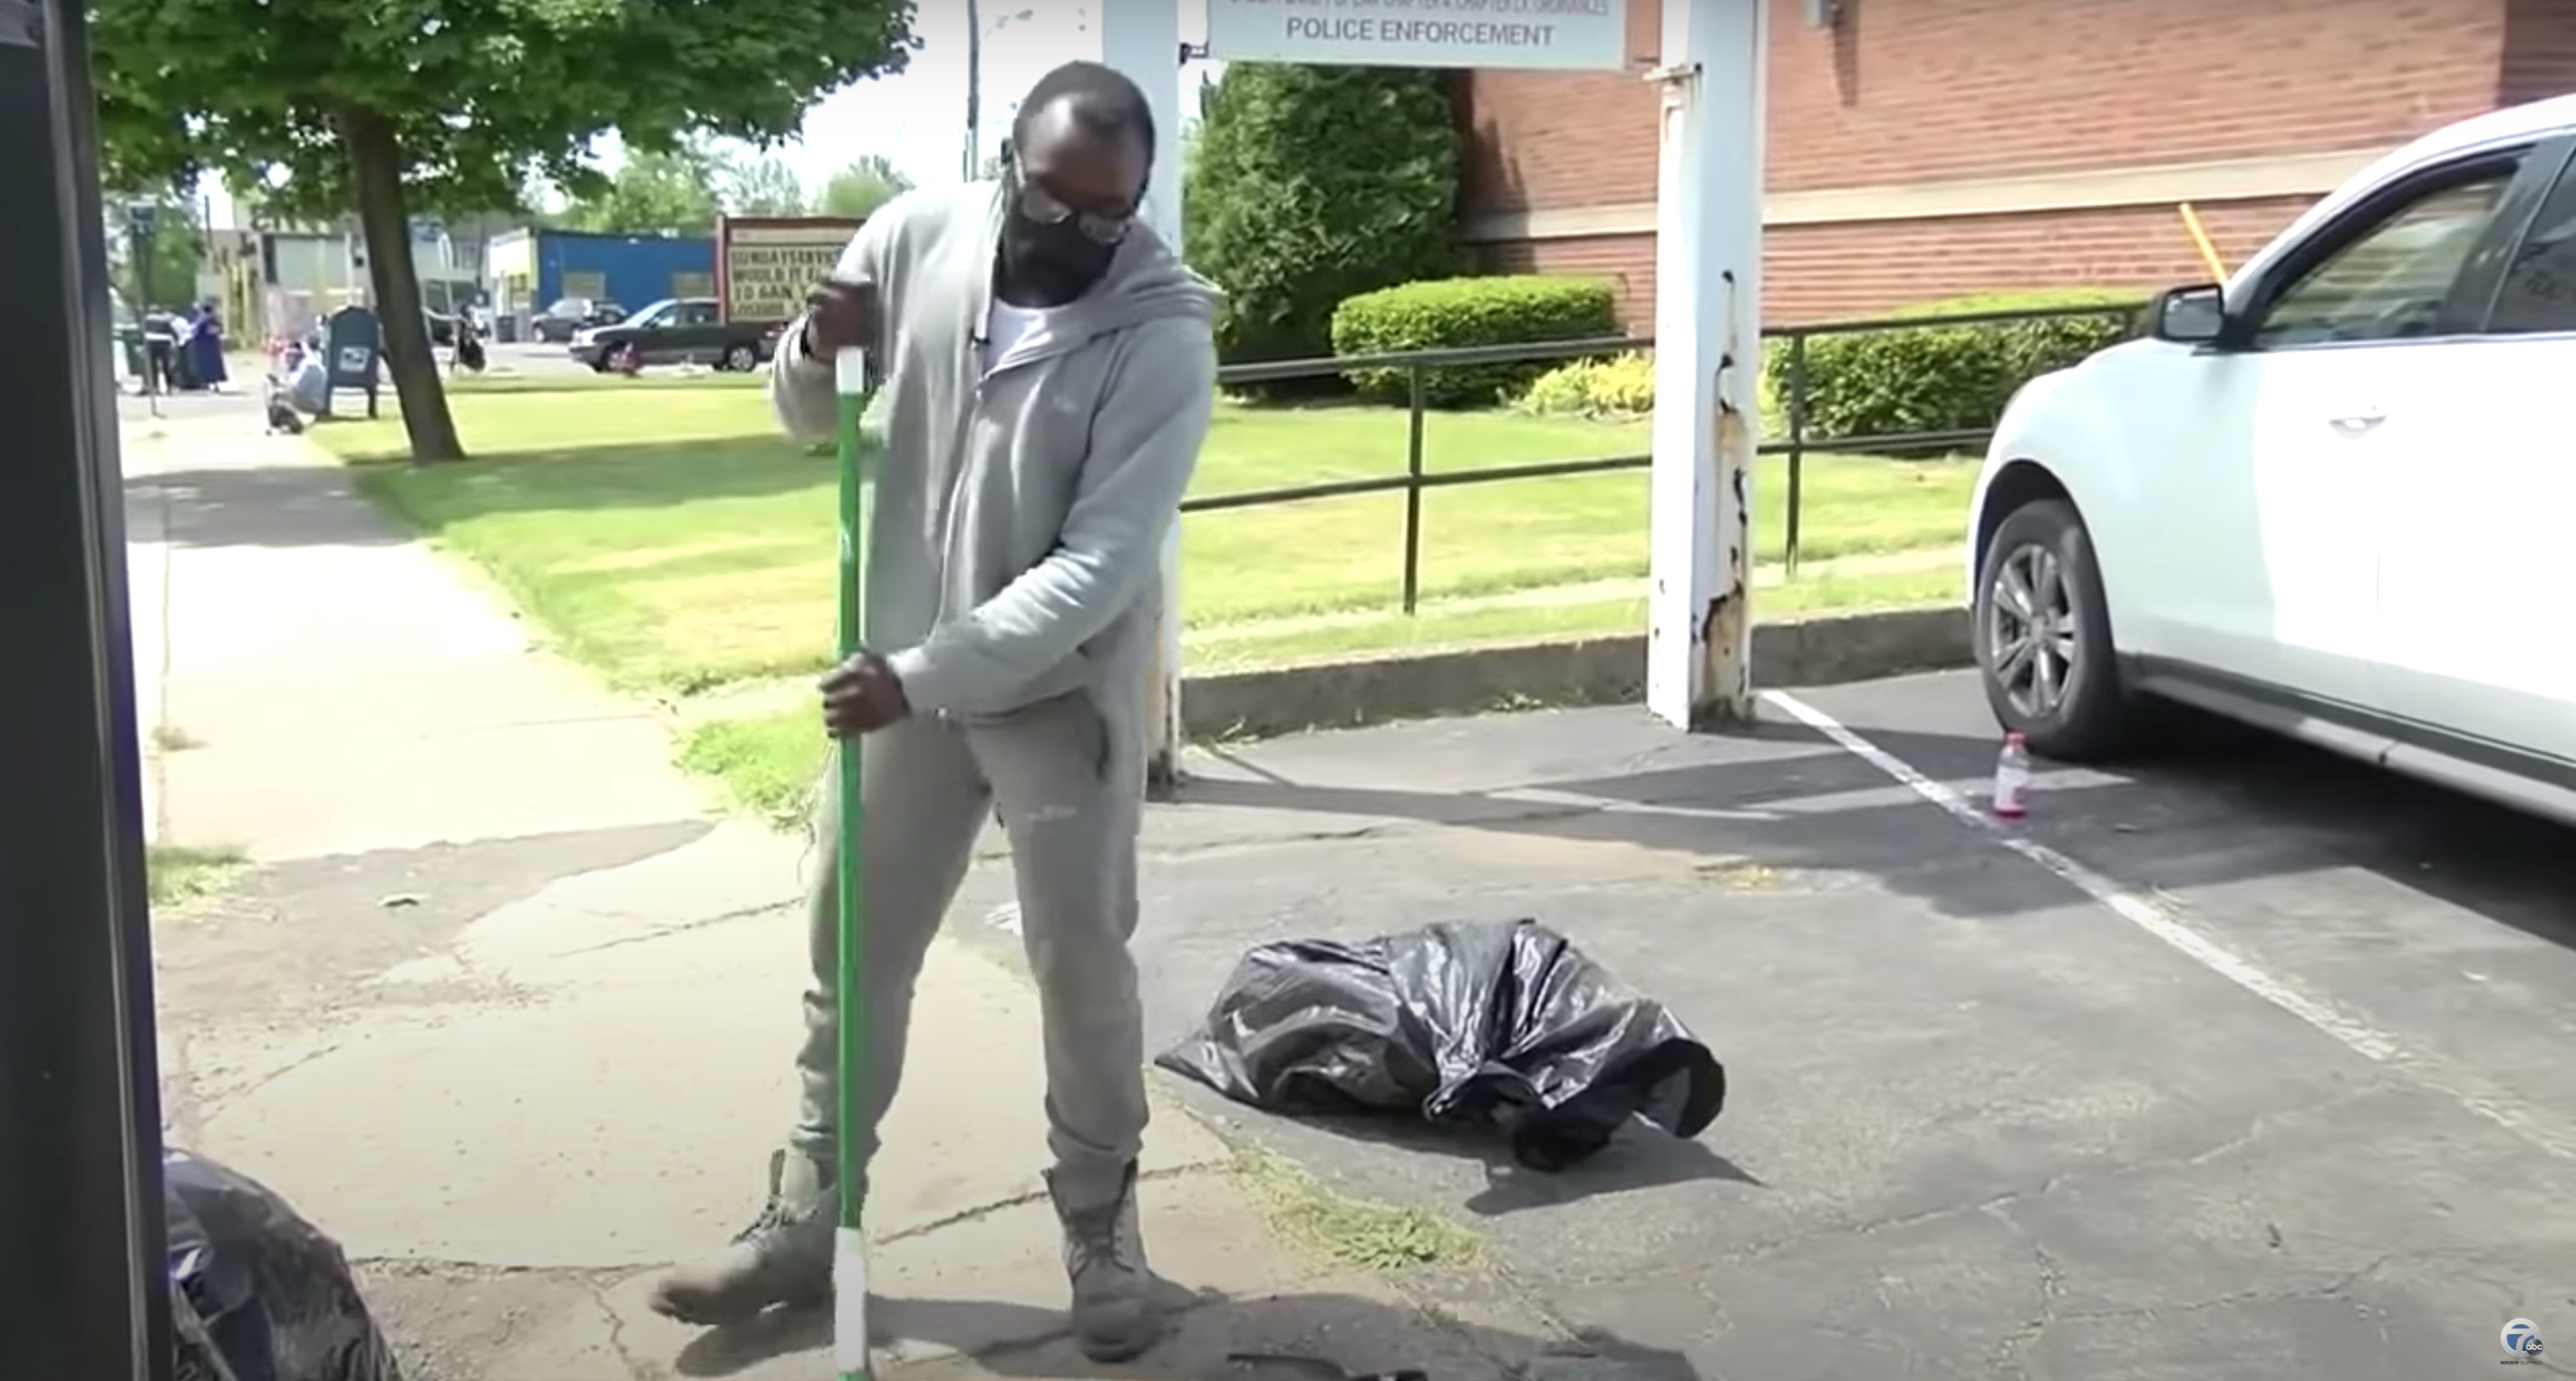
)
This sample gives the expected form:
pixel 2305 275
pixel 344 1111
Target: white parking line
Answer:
pixel 2352 1032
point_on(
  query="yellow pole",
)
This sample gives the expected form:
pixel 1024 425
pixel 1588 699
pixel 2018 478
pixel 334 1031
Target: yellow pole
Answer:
pixel 2200 237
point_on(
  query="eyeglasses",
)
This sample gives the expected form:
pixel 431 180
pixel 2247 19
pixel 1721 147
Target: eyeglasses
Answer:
pixel 1037 205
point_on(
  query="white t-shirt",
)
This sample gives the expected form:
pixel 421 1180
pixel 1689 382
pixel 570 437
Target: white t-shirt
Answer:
pixel 1010 327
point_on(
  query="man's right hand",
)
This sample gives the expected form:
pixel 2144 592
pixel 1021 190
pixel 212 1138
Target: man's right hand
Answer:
pixel 840 315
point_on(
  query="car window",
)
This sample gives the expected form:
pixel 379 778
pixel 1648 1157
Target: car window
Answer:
pixel 2537 290
pixel 2390 283
pixel 698 314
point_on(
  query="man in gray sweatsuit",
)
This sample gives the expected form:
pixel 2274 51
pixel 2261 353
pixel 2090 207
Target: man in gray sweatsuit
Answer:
pixel 1050 372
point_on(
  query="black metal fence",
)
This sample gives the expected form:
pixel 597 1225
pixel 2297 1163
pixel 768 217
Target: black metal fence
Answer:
pixel 1793 401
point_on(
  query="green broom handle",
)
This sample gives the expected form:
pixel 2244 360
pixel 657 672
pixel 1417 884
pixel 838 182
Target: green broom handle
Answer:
pixel 849 1248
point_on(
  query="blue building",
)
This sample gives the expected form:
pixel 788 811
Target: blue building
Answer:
pixel 532 269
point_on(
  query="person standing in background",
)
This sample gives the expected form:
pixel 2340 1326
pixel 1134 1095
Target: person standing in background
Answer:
pixel 205 349
pixel 160 351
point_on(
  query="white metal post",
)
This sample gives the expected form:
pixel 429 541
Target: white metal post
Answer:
pixel 1142 38
pixel 1708 319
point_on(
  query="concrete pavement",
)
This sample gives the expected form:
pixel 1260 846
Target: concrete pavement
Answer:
pixel 342 687
pixel 503 1010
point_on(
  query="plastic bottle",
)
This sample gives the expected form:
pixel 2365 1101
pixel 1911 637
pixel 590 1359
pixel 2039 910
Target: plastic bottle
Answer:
pixel 2012 778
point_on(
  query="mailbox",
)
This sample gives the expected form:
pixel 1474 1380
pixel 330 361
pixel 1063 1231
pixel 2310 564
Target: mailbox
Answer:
pixel 352 344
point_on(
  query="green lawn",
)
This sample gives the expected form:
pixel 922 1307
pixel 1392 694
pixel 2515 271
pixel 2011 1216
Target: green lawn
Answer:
pixel 569 381
pixel 767 763
pixel 1495 623
pixel 668 537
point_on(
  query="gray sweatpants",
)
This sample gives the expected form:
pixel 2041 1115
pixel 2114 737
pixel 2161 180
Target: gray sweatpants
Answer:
pixel 1070 792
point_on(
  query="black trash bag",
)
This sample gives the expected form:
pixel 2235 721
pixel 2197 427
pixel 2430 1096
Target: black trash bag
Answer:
pixel 1498 1025
pixel 261 1294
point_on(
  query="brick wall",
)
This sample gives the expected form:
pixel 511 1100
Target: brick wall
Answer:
pixel 1552 139
pixel 1909 92
pixel 1830 272
pixel 2539 50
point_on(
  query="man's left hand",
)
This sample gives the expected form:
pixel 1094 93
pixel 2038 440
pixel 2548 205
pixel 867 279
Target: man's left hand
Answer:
pixel 861 696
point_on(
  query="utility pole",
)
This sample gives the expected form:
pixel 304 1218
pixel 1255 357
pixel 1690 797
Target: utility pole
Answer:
pixel 80 1115
pixel 974 90
pixel 976 33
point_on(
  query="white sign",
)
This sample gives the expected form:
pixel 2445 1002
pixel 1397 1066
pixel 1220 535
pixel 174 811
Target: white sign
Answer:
pixel 1557 34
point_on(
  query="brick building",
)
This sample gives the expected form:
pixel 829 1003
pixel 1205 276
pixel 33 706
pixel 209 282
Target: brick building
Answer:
pixel 1927 148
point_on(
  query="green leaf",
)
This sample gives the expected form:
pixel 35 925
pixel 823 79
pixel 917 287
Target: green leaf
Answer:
pixel 392 108
pixel 1311 185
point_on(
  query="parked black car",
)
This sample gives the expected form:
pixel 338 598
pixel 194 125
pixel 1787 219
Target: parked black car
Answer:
pixel 679 330
pixel 558 323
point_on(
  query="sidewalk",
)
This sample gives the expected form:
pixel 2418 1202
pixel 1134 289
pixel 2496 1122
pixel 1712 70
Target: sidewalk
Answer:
pixel 504 1013
pixel 340 687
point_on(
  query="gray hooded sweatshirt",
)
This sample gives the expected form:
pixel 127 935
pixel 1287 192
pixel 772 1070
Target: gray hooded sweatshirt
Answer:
pixel 1020 502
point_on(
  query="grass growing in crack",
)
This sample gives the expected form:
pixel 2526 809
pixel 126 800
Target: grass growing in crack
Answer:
pixel 769 766
pixel 1315 1220
pixel 180 874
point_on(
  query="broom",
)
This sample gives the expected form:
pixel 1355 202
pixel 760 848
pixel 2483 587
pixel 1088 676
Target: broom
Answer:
pixel 852 382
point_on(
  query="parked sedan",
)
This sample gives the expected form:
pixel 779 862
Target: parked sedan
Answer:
pixel 2327 496
pixel 687 330
pixel 569 316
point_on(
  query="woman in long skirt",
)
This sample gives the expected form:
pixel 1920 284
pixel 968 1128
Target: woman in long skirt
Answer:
pixel 206 350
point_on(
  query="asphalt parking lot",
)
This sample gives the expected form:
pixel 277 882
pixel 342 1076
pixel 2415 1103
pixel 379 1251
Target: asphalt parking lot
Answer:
pixel 2236 1061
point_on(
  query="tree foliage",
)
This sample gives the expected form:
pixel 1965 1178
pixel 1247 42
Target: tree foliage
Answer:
pixel 1308 185
pixel 653 193
pixel 764 185
pixel 162 269
pixel 447 106
pixel 859 189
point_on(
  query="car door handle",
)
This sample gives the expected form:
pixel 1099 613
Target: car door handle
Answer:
pixel 2358 423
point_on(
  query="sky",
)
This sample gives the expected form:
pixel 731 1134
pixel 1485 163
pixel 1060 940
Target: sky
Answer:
pixel 917 119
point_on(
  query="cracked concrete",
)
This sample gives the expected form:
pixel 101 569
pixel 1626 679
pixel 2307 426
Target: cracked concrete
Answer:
pixel 505 1014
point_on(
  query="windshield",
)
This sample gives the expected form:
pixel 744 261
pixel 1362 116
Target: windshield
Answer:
pixel 652 312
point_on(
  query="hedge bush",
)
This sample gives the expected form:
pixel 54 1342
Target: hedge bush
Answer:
pixel 1289 232
pixel 1942 378
pixel 1623 386
pixel 1454 313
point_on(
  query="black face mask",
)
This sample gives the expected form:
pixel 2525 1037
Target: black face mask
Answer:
pixel 1047 263
pixel 1051 264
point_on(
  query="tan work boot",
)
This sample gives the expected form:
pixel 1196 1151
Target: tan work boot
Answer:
pixel 1115 1313
pixel 783 1259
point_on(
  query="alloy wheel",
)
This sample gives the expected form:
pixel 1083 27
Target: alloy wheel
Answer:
pixel 2030 629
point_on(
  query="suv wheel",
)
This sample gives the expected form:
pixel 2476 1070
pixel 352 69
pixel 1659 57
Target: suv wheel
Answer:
pixel 2043 636
pixel 740 358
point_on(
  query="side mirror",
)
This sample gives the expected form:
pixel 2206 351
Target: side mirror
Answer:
pixel 2196 315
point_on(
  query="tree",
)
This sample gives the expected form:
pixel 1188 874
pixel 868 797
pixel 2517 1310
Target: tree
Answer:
pixel 859 189
pixel 664 193
pixel 764 185
pixel 447 106
pixel 166 272
pixel 1289 231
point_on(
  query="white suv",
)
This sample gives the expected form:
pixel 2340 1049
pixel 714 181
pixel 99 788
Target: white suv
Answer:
pixel 2328 497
